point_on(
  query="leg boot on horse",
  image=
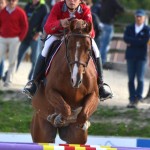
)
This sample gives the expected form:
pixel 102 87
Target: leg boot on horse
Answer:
pixel 104 94
pixel 31 87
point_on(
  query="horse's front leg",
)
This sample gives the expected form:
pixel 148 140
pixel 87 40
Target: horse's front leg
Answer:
pixel 89 107
pixel 42 131
pixel 59 104
pixel 73 134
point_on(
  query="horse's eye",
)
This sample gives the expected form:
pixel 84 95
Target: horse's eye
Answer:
pixel 89 50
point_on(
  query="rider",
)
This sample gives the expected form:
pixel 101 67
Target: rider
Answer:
pixel 58 20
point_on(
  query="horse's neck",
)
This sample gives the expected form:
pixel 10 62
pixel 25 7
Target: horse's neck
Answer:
pixel 61 57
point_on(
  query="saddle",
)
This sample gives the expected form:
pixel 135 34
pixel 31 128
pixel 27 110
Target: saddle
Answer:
pixel 52 50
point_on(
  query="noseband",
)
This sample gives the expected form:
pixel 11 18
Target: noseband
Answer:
pixel 84 64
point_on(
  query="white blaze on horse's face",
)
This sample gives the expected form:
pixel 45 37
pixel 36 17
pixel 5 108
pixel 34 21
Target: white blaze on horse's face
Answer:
pixel 76 77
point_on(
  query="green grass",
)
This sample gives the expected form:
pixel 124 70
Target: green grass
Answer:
pixel 121 129
pixel 15 116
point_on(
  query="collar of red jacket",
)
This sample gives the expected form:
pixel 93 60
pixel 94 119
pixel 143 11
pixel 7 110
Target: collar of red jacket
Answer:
pixel 78 9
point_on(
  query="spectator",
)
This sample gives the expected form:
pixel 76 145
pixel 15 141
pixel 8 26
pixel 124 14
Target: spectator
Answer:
pixel 36 12
pixel 3 4
pixel 96 8
pixel 96 23
pixel 108 11
pixel 13 28
pixel 136 36
pixel 148 93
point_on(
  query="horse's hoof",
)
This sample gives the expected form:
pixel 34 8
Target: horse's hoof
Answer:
pixel 58 122
pixel 51 118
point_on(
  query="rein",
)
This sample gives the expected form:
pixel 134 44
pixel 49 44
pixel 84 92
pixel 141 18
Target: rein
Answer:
pixel 66 38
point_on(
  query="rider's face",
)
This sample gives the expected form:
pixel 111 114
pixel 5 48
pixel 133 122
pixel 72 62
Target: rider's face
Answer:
pixel 73 4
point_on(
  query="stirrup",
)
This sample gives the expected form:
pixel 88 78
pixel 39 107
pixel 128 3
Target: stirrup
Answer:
pixel 27 93
pixel 27 86
pixel 109 96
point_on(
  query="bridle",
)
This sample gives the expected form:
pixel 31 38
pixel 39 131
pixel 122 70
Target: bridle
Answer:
pixel 66 39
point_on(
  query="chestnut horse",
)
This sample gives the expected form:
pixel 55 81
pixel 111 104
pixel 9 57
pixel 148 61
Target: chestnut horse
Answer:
pixel 70 96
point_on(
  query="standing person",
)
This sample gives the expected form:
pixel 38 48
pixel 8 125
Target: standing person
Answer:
pixel 96 7
pixel 96 23
pixel 13 28
pixel 56 22
pixel 148 93
pixel 108 11
pixel 136 36
pixel 36 11
pixel 3 4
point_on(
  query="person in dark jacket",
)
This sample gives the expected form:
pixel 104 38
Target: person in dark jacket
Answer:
pixel 136 37
pixel 96 23
pixel 36 11
pixel 108 11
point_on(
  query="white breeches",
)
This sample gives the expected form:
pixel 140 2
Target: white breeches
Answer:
pixel 52 38
pixel 48 43
pixel 95 49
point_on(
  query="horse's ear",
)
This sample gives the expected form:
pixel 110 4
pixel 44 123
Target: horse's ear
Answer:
pixel 88 28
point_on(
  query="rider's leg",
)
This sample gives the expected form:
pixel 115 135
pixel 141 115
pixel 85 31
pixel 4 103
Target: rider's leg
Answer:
pixel 39 69
pixel 102 92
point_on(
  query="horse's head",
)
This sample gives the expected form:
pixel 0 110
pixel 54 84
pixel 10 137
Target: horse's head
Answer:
pixel 78 49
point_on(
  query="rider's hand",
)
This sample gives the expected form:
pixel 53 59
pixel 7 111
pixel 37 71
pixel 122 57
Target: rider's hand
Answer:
pixel 64 22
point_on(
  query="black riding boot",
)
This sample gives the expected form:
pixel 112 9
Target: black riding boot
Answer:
pixel 102 92
pixel 39 70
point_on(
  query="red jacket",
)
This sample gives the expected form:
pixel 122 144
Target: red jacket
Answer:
pixel 14 24
pixel 60 11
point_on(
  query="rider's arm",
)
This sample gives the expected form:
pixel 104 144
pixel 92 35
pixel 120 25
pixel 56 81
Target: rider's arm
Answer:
pixel 53 25
pixel 87 16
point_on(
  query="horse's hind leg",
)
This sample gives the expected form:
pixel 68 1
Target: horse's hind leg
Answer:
pixel 42 131
pixel 73 134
